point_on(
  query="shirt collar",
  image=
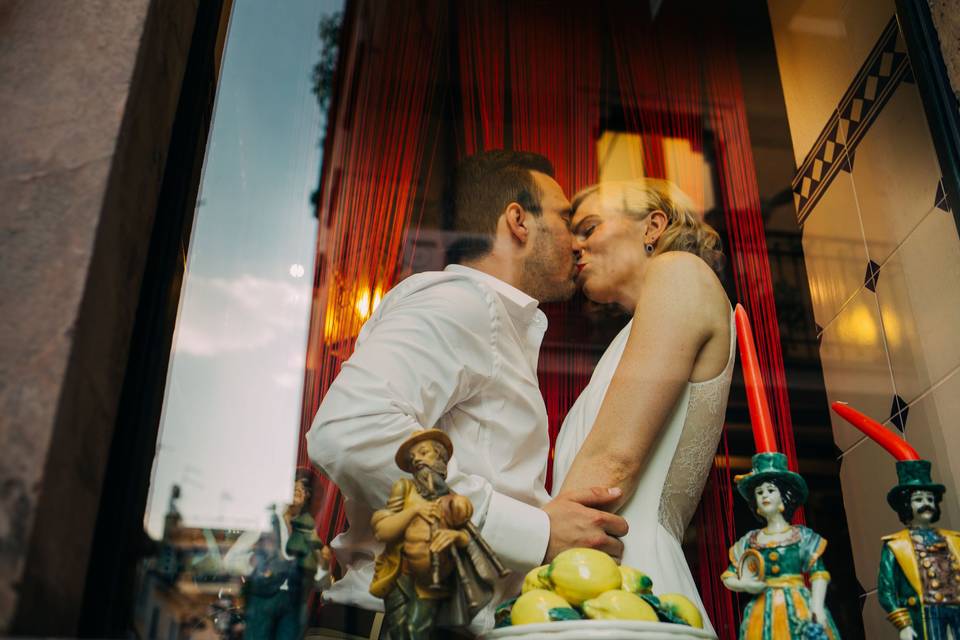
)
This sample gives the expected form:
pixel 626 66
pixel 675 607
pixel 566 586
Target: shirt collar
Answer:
pixel 517 302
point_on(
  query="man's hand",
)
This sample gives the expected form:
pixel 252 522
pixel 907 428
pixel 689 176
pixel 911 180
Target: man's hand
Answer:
pixel 575 521
pixel 429 511
pixel 445 537
pixel 907 633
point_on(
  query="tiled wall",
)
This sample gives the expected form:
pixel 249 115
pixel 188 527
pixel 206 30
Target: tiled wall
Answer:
pixel 882 255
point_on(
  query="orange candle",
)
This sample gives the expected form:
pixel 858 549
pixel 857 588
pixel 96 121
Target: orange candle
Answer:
pixel 756 397
pixel 897 446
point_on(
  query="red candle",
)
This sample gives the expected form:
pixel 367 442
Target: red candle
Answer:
pixel 756 397
pixel 897 446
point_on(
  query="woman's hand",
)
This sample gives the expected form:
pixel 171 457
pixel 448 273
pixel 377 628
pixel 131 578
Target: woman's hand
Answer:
pixel 820 614
pixel 751 586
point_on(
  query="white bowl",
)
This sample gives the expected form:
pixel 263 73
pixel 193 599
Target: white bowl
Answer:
pixel 599 630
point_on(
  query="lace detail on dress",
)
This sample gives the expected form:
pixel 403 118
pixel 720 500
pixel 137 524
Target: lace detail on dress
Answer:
pixel 696 449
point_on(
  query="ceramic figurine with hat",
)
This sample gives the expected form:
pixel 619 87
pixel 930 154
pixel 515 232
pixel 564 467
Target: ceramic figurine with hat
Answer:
pixel 919 580
pixel 435 571
pixel 773 563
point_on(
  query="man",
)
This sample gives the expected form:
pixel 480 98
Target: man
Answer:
pixel 424 528
pixel 919 580
pixel 458 350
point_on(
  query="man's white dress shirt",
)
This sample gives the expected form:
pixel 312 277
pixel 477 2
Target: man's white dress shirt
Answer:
pixel 456 350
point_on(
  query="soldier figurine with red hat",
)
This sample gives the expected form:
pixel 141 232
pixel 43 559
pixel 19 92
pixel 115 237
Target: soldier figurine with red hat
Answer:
pixel 435 569
pixel 919 580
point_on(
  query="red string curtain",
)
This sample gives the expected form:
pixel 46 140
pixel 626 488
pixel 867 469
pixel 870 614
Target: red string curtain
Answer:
pixel 377 158
pixel 555 78
pixel 658 69
pixel 748 245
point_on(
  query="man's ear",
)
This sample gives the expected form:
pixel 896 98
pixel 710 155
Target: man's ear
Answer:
pixel 657 222
pixel 518 221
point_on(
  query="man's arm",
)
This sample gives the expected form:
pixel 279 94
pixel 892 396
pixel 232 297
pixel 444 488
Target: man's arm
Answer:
pixel 423 355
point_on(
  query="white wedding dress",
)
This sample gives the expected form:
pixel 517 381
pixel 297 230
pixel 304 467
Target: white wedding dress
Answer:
pixel 669 489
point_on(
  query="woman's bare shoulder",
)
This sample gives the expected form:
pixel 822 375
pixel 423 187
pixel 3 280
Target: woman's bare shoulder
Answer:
pixel 687 272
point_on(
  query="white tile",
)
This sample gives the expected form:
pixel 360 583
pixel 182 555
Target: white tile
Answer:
pixel 855 365
pixel 833 249
pixel 895 173
pixel 821 44
pixel 933 429
pixel 867 473
pixel 919 294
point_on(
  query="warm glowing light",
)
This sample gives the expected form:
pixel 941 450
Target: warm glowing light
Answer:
pixel 857 326
pixel 363 304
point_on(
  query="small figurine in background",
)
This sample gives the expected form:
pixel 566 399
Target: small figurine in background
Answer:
pixel 919 580
pixel 771 563
pixel 436 570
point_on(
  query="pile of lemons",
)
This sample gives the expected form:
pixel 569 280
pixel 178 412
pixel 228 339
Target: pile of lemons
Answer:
pixel 588 583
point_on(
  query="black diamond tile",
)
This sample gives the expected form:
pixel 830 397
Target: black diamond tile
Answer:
pixel 940 200
pixel 898 413
pixel 871 276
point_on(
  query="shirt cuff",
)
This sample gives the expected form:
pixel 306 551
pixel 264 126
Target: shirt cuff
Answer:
pixel 517 532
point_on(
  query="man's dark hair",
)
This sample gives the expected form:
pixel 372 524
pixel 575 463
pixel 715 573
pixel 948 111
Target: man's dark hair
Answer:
pixel 482 187
pixel 905 511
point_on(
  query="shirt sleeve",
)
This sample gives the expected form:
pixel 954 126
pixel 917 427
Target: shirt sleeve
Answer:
pixel 414 362
pixel 886 581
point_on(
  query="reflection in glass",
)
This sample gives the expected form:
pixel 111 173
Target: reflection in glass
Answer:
pixel 226 455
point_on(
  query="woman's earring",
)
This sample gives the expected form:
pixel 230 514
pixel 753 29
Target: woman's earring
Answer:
pixel 759 513
pixel 780 508
pixel 648 248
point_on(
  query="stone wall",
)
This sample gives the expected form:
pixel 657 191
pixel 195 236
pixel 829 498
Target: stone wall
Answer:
pixel 88 99
pixel 946 18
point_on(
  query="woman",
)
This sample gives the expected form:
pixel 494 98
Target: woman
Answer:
pixel 781 555
pixel 650 420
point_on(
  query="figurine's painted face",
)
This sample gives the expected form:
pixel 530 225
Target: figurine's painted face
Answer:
pixel 769 500
pixel 428 454
pixel 924 507
pixel 299 494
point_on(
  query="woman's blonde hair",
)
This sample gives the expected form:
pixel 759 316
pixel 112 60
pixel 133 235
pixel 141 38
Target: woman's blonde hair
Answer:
pixel 685 231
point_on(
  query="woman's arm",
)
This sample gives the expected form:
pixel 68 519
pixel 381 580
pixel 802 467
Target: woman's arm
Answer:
pixel 674 319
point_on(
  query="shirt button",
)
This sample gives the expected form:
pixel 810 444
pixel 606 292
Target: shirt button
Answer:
pixel 774 556
pixel 935 584
pixel 926 563
pixel 938 597
pixel 931 572
pixel 911 601
pixel 775 569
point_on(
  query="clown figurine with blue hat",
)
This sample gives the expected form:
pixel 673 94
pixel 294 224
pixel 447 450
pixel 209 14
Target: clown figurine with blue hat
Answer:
pixel 919 580
pixel 774 562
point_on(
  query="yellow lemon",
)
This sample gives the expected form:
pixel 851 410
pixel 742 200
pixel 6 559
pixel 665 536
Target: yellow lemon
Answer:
pixel 619 605
pixel 580 574
pixel 635 581
pixel 533 581
pixel 539 605
pixel 683 608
